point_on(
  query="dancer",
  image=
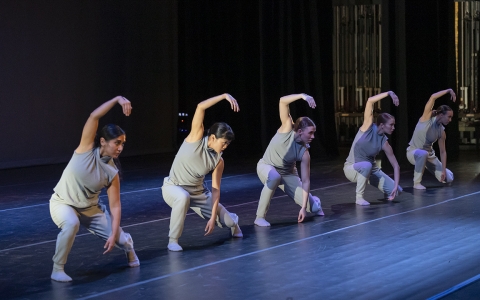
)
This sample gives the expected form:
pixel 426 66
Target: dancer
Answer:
pixel 185 186
pixel 278 168
pixel 429 129
pixel 361 166
pixel 75 201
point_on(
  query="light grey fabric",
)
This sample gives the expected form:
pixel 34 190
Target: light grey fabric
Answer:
pixel 185 187
pixel 199 199
pixel 425 134
pixel 420 153
pixel 361 166
pixel 192 162
pixel 422 160
pixel 84 178
pixel 283 153
pixel 363 173
pixel 290 184
pixel 366 146
pixel 95 218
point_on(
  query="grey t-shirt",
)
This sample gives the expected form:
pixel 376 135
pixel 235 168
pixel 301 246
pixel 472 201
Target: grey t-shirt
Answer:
pixel 192 162
pixel 425 134
pixel 366 146
pixel 283 153
pixel 84 178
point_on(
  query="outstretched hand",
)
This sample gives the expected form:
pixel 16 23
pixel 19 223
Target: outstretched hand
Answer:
pixel 453 97
pixel 392 194
pixel 210 227
pixel 233 103
pixel 310 100
pixel 443 176
pixel 394 98
pixel 126 105
pixel 302 214
pixel 109 245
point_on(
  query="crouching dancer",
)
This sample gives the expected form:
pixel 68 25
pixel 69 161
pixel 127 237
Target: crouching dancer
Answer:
pixel 185 186
pixel 278 167
pixel 429 129
pixel 361 166
pixel 75 201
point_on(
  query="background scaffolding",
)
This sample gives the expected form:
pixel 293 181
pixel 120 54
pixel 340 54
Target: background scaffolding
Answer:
pixel 357 57
pixel 467 44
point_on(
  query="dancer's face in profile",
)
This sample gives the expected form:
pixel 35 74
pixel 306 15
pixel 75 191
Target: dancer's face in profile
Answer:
pixel 113 147
pixel 388 127
pixel 219 145
pixel 307 134
pixel 445 118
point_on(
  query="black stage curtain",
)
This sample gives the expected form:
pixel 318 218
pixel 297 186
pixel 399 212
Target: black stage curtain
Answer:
pixel 59 60
pixel 430 62
pixel 296 56
pixel 62 59
pixel 258 51
pixel 418 60
pixel 218 53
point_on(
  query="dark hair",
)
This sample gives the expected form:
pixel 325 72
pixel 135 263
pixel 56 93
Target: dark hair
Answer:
pixel 442 109
pixel 384 118
pixel 110 132
pixel 303 122
pixel 221 130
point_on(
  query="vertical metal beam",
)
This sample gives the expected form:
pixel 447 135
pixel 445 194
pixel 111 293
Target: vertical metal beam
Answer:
pixel 401 80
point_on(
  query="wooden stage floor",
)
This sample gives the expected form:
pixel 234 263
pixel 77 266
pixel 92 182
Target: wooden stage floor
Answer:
pixel 423 244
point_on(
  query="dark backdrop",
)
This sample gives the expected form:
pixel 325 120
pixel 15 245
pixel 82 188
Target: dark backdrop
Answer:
pixel 258 51
pixel 261 50
pixel 59 60
pixel 419 60
pixel 430 61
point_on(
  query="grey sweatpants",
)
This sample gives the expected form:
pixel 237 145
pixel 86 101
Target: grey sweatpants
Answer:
pixel 199 199
pixel 95 218
pixel 421 160
pixel 290 184
pixel 363 173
